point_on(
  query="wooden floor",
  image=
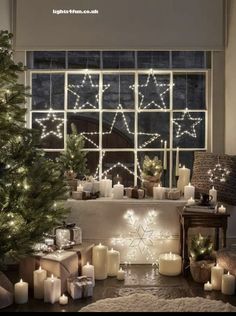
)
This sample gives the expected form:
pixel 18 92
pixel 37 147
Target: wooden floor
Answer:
pixel 139 278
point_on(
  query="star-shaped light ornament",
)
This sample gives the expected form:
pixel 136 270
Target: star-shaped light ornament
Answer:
pixel 218 173
pixel 86 93
pixel 152 93
pixel 51 125
pixel 186 125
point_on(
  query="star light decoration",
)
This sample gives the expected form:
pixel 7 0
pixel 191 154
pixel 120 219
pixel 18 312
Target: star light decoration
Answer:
pixel 46 123
pixel 218 173
pixel 186 124
pixel 148 92
pixel 86 97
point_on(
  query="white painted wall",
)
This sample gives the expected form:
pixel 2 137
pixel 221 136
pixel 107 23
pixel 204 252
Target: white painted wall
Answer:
pixel 5 15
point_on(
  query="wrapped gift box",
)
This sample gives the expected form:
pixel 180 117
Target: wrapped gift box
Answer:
pixel 67 235
pixel 84 253
pixel 173 194
pixel 80 287
pixel 27 267
pixel 63 264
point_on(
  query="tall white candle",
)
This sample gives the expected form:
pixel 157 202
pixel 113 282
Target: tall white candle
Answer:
pixel 88 271
pixel 228 284
pixel 213 193
pixel 39 276
pixel 118 191
pixel 100 261
pixel 165 156
pixel 21 290
pixel 177 162
pixel 113 262
pixel 52 289
pixel 158 192
pixel 184 178
pixel 189 191
pixel 170 264
pixel 216 277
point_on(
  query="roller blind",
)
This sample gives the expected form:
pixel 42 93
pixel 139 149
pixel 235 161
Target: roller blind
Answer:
pixel 120 24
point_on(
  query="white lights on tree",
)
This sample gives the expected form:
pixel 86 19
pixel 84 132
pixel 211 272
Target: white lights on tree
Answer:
pixel 86 93
pixel 46 124
pixel 186 125
pixel 146 93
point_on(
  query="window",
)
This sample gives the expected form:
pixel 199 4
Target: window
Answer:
pixel 124 103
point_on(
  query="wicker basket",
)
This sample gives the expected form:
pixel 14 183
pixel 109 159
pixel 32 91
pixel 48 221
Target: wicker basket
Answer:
pixel 149 182
pixel 201 270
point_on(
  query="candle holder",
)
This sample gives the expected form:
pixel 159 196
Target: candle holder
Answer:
pixel 164 177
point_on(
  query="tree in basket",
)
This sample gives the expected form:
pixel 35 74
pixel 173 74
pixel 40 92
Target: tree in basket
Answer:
pixel 201 258
pixel 32 188
pixel 151 173
pixel 73 161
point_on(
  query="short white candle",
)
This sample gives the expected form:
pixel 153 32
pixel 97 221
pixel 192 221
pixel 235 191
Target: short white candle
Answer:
pixel 105 187
pixel 120 274
pixel 170 264
pixel 118 191
pixel 21 292
pixel 184 178
pixel 191 201
pixel 208 286
pixel 213 193
pixel 88 271
pixel 63 300
pixel 177 162
pixel 216 277
pixel 100 261
pixel 228 284
pixel 52 289
pixel 80 188
pixel 189 191
pixel 158 192
pixel 40 276
pixel 49 241
pixel 165 156
pixel 113 262
pixel 222 209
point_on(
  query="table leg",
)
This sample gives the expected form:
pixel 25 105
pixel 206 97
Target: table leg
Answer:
pixel 185 250
pixel 217 238
pixel 224 229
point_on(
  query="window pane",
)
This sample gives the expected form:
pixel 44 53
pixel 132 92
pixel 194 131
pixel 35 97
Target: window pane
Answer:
pixel 154 91
pixel 51 126
pixel 152 128
pixel 189 130
pixel 48 91
pixel 111 166
pixel 118 130
pixel 46 60
pixel 189 91
pixel 84 60
pixel 151 155
pixel 148 60
pixel 52 155
pixel 83 91
pixel 188 60
pixel 87 124
pixel 186 158
pixel 119 91
pixel 117 60
pixel 92 162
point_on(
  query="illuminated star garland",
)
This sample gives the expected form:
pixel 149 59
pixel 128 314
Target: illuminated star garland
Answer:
pixel 218 173
pixel 51 118
pixel 74 89
pixel 164 86
pixel 186 117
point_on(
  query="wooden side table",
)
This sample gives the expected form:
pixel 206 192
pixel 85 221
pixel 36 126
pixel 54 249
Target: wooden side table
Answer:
pixel 200 219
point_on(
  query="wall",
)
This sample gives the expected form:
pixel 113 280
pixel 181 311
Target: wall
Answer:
pixel 5 15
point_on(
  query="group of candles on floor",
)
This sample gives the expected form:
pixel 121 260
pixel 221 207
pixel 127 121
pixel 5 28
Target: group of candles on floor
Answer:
pixel 107 263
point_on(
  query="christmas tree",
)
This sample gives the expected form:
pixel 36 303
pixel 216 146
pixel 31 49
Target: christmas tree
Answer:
pixel 73 160
pixel 201 247
pixel 32 188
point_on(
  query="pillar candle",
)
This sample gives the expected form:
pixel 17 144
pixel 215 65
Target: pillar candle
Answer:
pixel 52 289
pixel 88 271
pixel 189 191
pixel 213 193
pixel 120 274
pixel 177 162
pixel 96 186
pixel 80 188
pixel 165 156
pixel 63 300
pixel 39 276
pixel 118 191
pixel 222 209
pixel 105 187
pixel 158 192
pixel 21 292
pixel 113 262
pixel 208 286
pixel 228 284
pixel 216 277
pixel 184 178
pixel 170 264
pixel 100 261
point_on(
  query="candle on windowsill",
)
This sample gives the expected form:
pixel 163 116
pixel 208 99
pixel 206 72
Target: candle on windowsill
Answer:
pixel 159 192
pixel 21 292
pixel 213 193
pixel 80 188
pixel 184 178
pixel 189 191
pixel 118 191
pixel 177 163
pixel 165 156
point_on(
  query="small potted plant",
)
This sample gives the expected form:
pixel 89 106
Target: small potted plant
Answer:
pixel 202 258
pixel 151 173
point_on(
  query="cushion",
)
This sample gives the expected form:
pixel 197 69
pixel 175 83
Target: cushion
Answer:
pixel 203 162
